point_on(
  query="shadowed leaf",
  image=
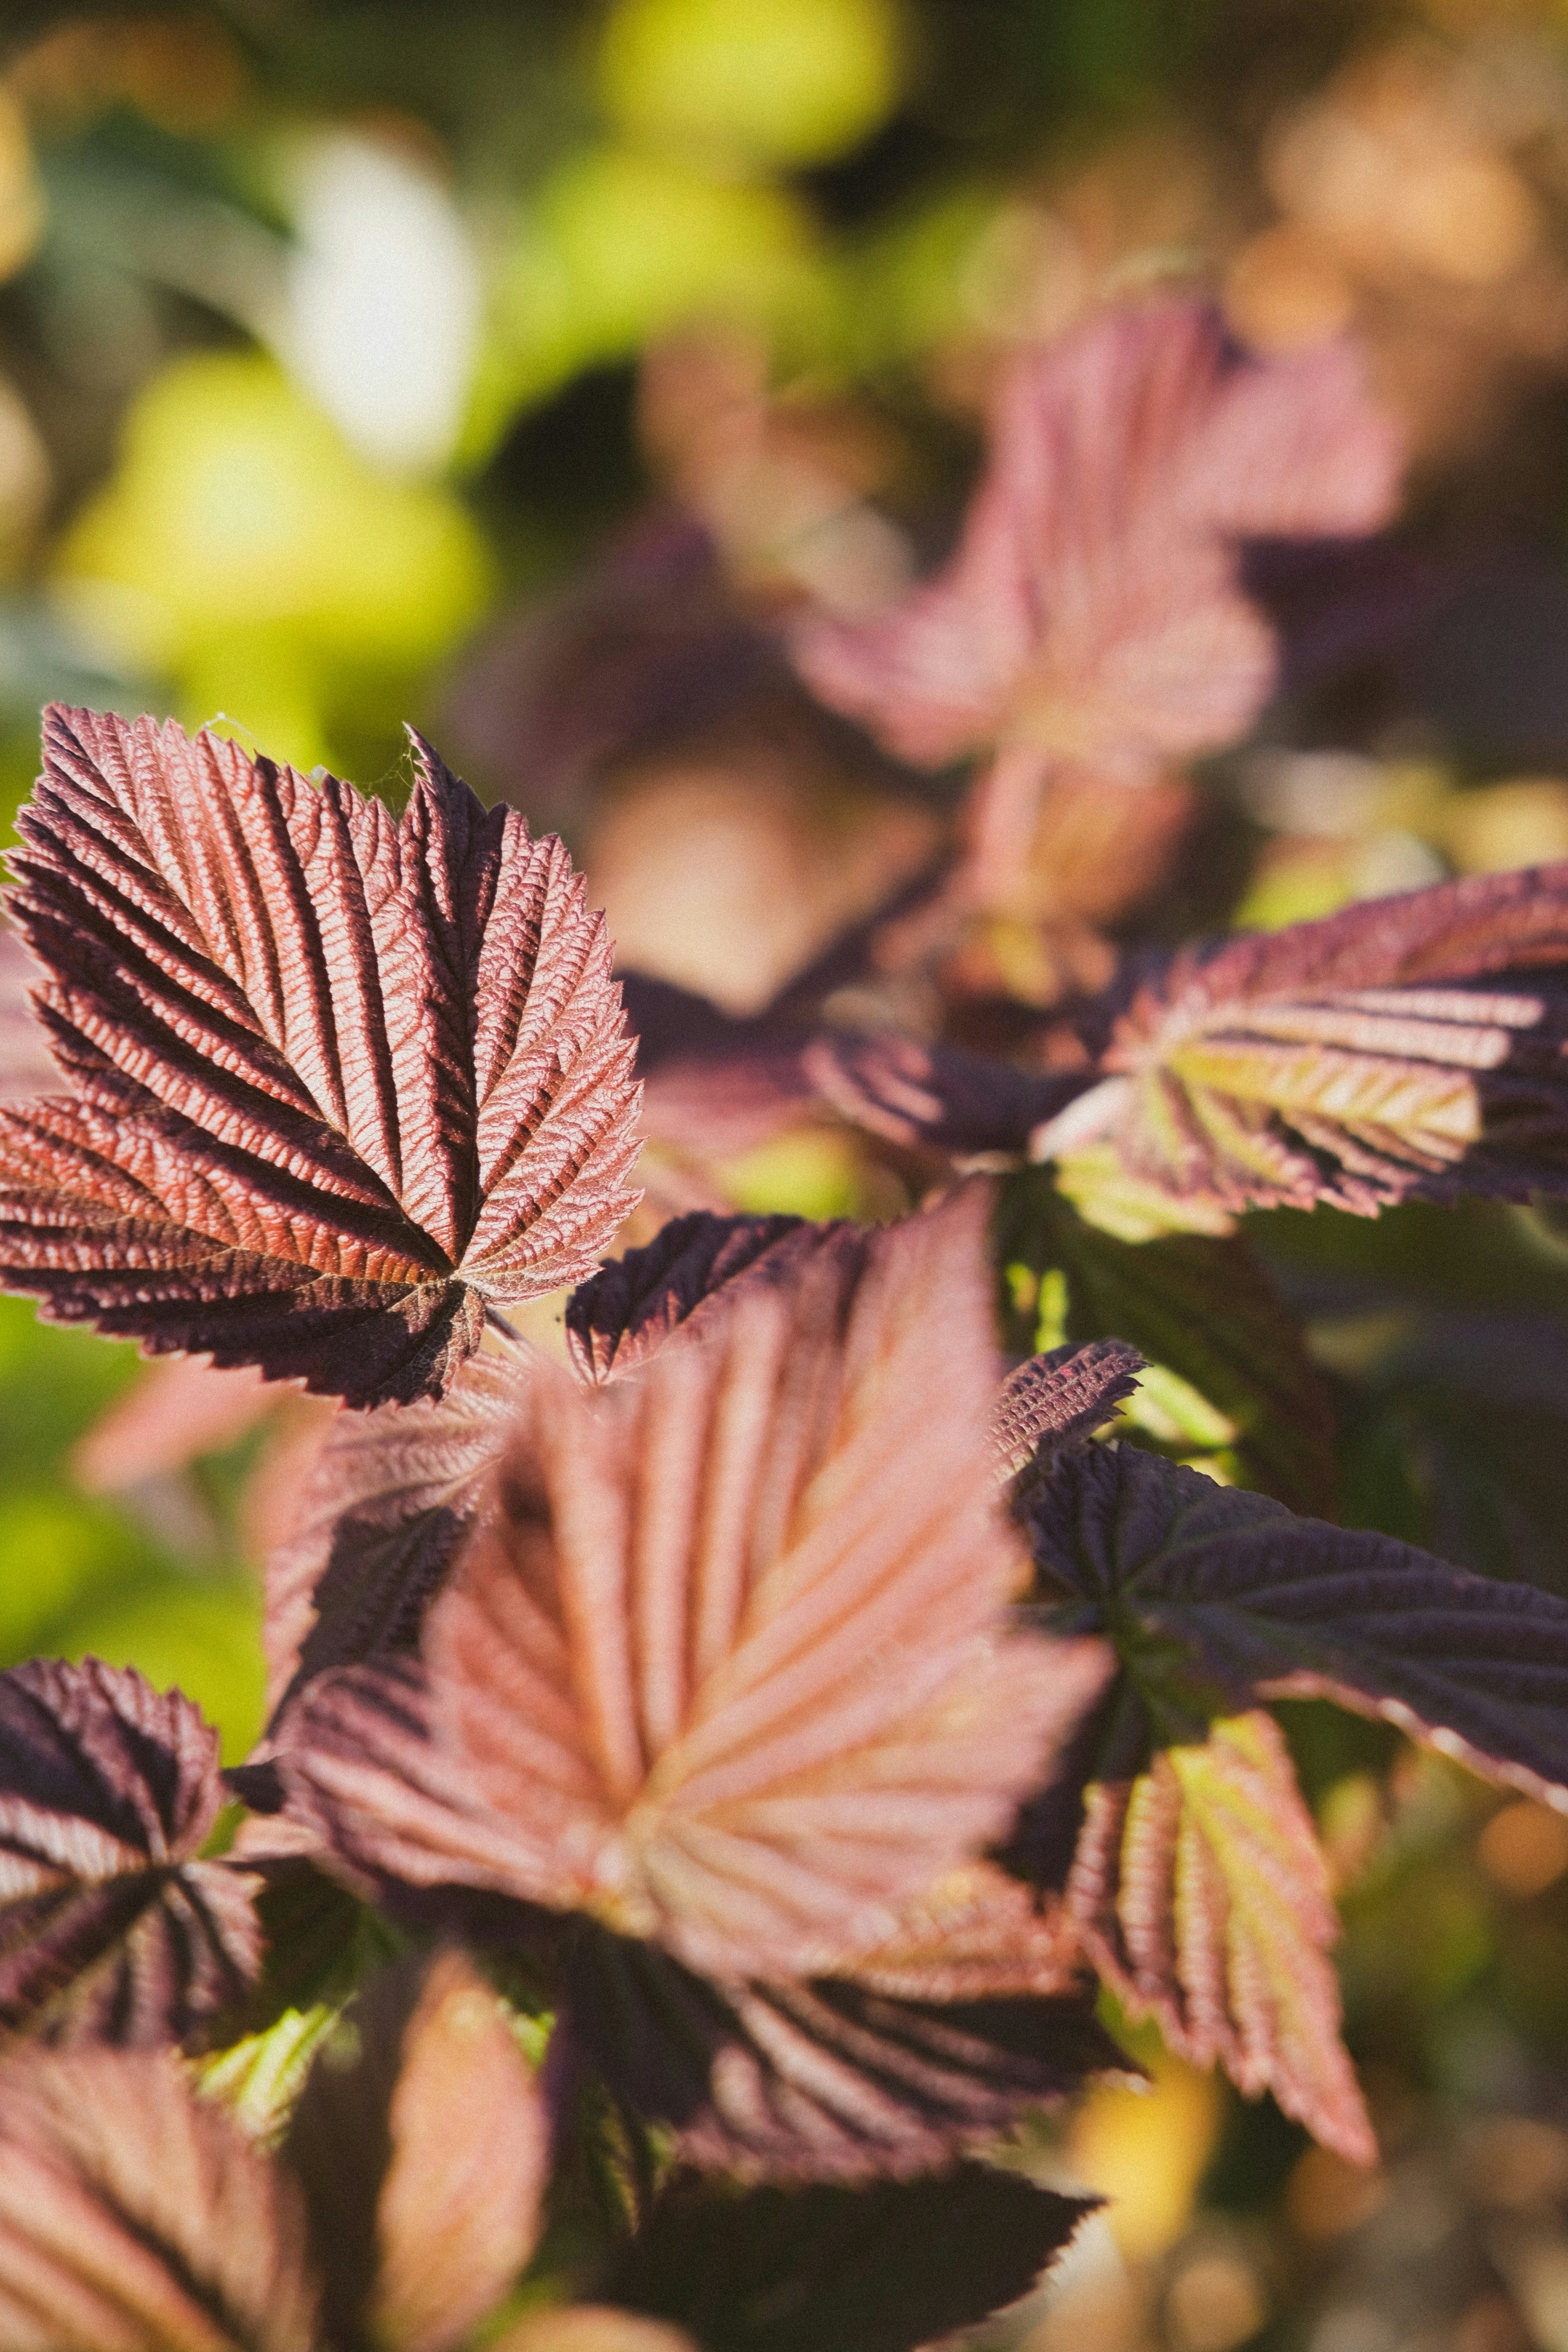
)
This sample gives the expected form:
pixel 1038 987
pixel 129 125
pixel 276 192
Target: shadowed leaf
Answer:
pixel 110 1928
pixel 832 2078
pixel 342 1081
pixel 1203 1901
pixel 136 2218
pixel 393 1494
pixel 831 2270
pixel 1407 1045
pixel 423 2146
pixel 637 1300
pixel 1059 1398
pixel 661 1678
pixel 1093 618
pixel 1216 1598
pixel 26 1066
pixel 1206 1308
pixel 932 1095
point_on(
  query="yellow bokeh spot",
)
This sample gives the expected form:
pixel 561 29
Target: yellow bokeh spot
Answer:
pixel 1145 2151
pixel 789 82
pixel 236 507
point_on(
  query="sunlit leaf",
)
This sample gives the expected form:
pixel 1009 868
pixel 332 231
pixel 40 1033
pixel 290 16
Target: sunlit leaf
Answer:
pixel 1093 618
pixel 423 2144
pixel 1203 1900
pixel 345 1083
pixel 111 1929
pixel 1408 1045
pixel 136 2218
pixel 659 1675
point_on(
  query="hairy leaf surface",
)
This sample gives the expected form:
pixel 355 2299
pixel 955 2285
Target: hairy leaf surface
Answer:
pixel 1216 1598
pixel 342 1081
pixel 1406 1045
pixel 136 2218
pixel 1058 1398
pixel 424 2159
pixel 830 2269
pixel 634 1304
pixel 110 1927
pixel 1203 1900
pixel 724 1666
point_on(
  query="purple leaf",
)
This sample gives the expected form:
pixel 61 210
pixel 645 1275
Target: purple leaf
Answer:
pixel 1411 1045
pixel 1220 1598
pixel 393 1494
pixel 422 2144
pixel 1203 1901
pixel 659 1675
pixel 343 1082
pixel 110 1927
pixel 1059 1398
pixel 638 1300
pixel 26 1066
pixel 825 2080
pixel 882 2269
pixel 1093 618
pixel 134 2215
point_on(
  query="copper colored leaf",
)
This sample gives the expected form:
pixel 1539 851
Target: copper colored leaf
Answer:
pixel 1407 1045
pixel 1093 616
pixel 136 2218
pixel 725 1665
pixel 177 1410
pixel 967 1105
pixel 1059 1398
pixel 637 1300
pixel 392 1495
pixel 343 1082
pixel 831 2270
pixel 826 2079
pixel 423 2146
pixel 1203 1900
pixel 1216 1598
pixel 110 1928
pixel 592 2327
pixel 26 1065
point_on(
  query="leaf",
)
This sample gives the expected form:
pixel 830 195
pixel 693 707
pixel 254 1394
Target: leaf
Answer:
pixel 135 2217
pixel 634 1304
pixel 1203 1900
pixel 110 1927
pixel 829 2079
pixel 1060 1397
pixel 344 1083
pixel 178 1410
pixel 1204 1308
pixel 882 2269
pixel 662 1686
pixel 1093 618
pixel 1336 1061
pixel 26 1066
pixel 1218 1597
pixel 423 2146
pixel 940 1096
pixel 393 1494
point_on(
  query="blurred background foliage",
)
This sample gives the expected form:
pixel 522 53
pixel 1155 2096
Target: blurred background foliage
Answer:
pixel 339 341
